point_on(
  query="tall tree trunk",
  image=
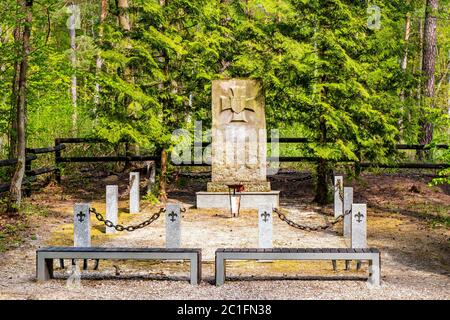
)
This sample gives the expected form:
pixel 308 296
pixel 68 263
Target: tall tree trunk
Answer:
pixel 404 66
pixel 124 22
pixel 163 176
pixel 429 64
pixel 322 170
pixel 14 90
pixel 406 39
pixel 448 96
pixel 321 190
pixel 99 61
pixel 164 104
pixel 15 191
pixel 73 61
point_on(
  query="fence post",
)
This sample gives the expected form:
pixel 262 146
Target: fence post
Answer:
pixel 57 157
pixel 134 192
pixel 27 170
pixel 338 192
pixel 112 206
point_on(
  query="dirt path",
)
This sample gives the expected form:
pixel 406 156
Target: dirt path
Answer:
pixel 415 257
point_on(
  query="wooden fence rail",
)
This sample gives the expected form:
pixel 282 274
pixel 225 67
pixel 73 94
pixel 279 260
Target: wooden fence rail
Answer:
pixel 60 146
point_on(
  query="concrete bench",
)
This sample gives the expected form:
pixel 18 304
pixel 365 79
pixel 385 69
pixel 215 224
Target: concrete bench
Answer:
pixel 372 255
pixel 45 256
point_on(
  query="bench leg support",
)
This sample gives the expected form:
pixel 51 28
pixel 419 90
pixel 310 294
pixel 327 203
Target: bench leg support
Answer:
pixel 195 269
pixel 44 269
pixel 374 271
pixel 220 271
pixel 347 265
pixel 358 265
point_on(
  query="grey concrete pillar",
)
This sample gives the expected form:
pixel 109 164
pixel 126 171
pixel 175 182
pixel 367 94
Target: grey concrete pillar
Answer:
pixel 81 225
pixel 348 201
pixel 359 226
pixel 151 175
pixel 134 192
pixel 112 206
pixel 338 191
pixel 173 226
pixel 265 222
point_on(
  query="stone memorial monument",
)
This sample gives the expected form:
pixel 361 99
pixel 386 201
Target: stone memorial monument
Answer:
pixel 239 146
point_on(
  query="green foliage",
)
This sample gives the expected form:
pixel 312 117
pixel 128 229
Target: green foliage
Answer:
pixel 326 75
pixel 151 198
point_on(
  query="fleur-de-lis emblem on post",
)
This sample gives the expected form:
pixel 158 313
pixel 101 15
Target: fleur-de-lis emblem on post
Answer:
pixel 81 216
pixel 265 216
pixel 359 216
pixel 238 103
pixel 172 216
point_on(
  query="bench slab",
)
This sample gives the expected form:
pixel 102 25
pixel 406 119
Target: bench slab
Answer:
pixel 45 256
pixel 370 254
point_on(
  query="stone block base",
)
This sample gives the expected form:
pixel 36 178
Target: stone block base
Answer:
pixel 260 186
pixel 249 200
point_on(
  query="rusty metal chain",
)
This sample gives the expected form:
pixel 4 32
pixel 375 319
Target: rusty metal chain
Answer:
pixel 120 227
pixel 296 225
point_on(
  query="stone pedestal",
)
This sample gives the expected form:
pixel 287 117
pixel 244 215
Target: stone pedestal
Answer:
pixel 359 226
pixel 173 226
pixel 265 221
pixel 112 207
pixel 249 200
pixel 134 192
pixel 348 201
pixel 338 192
pixel 81 225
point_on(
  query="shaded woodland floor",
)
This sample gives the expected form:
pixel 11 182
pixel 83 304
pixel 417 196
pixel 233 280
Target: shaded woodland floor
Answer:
pixel 407 220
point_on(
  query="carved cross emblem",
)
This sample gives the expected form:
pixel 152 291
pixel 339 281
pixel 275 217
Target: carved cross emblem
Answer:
pixel 265 216
pixel 81 216
pixel 359 216
pixel 238 103
pixel 172 216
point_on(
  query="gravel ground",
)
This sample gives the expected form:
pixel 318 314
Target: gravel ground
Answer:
pixel 410 269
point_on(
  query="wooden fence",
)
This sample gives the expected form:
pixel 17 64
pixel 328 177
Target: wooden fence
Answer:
pixel 30 174
pixel 60 145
